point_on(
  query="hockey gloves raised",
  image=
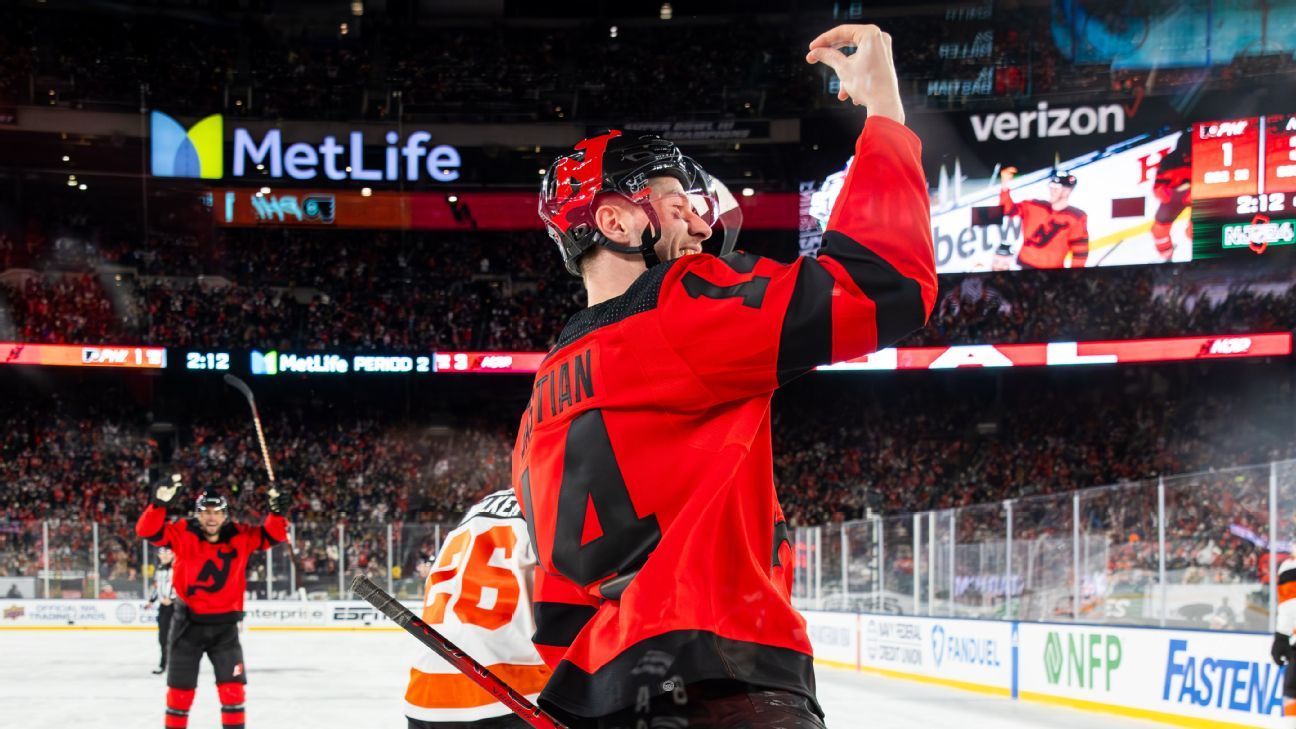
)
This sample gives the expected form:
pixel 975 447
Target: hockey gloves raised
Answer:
pixel 277 501
pixel 167 490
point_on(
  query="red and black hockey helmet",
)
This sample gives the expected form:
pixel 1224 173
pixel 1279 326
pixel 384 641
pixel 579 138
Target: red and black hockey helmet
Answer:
pixel 617 164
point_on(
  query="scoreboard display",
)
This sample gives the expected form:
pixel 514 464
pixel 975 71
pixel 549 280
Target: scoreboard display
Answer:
pixel 1243 185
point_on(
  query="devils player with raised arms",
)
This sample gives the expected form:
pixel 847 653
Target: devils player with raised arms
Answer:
pixel 643 462
pixel 1050 228
pixel 211 556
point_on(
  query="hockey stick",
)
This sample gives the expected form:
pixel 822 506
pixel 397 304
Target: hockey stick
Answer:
pixel 391 607
pixel 242 387
pixel 246 391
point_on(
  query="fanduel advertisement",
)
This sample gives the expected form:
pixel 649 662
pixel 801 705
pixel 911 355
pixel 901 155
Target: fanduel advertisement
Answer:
pixel 201 152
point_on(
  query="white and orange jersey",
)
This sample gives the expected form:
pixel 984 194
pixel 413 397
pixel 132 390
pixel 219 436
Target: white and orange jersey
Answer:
pixel 478 595
pixel 1286 596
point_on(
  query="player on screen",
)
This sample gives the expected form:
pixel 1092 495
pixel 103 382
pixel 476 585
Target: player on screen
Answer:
pixel 1050 228
pixel 478 595
pixel 1283 652
pixel 643 461
pixel 163 594
pixel 211 555
pixel 1172 186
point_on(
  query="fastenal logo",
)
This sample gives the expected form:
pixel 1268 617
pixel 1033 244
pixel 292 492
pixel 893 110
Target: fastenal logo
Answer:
pixel 196 152
pixel 1053 658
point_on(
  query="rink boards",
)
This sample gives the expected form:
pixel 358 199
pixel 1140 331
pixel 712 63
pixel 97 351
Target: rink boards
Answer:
pixel 1191 678
pixel 137 615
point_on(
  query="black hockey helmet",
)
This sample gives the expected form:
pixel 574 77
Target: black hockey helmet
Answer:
pixel 615 163
pixel 209 499
pixel 1063 178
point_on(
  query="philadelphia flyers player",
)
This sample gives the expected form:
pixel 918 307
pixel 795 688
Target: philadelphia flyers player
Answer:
pixel 1283 652
pixel 478 594
pixel 643 461
pixel 211 555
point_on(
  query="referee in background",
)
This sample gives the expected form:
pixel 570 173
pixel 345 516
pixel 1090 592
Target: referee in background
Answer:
pixel 164 592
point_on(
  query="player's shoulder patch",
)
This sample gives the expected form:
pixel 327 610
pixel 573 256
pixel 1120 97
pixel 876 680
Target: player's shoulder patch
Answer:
pixel 640 297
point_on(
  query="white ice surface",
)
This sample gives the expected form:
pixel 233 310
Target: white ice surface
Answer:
pixel 355 680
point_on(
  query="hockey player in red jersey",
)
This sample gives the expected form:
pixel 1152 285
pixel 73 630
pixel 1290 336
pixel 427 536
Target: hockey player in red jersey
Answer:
pixel 211 555
pixel 643 461
pixel 1050 228
pixel 1172 187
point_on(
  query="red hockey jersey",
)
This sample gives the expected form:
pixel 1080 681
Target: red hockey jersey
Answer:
pixel 1048 235
pixel 644 463
pixel 210 577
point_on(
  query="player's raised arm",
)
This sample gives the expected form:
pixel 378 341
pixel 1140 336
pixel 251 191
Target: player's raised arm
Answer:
pixel 746 324
pixel 152 524
pixel 274 530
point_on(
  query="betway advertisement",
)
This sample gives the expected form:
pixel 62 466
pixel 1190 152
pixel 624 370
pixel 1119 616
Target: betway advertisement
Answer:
pixel 1188 677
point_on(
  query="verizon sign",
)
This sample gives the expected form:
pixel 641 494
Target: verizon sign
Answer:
pixel 1042 122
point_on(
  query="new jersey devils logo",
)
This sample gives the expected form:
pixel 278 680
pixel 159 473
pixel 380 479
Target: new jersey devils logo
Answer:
pixel 213 574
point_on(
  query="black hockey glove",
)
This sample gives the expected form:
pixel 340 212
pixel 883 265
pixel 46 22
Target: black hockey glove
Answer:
pixel 167 490
pixel 1281 649
pixel 277 500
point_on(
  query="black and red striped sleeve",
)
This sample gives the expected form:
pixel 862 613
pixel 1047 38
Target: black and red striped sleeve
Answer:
pixel 561 609
pixel 1080 241
pixel 273 531
pixel 746 324
pixel 152 526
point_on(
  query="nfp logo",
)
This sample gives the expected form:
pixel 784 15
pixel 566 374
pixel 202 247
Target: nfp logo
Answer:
pixel 1082 660
pixel 196 152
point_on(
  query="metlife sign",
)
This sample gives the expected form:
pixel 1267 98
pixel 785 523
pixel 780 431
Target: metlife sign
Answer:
pixel 199 151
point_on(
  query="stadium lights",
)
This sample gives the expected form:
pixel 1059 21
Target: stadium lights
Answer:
pixel 357 8
pixel 612 32
pixel 541 171
pixel 452 198
pixel 82 186
pixel 265 191
pixel 748 192
pixel 366 191
pixel 666 11
pixel 67 158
